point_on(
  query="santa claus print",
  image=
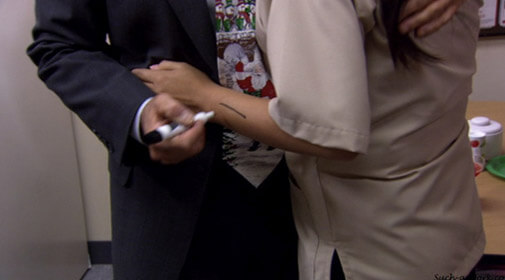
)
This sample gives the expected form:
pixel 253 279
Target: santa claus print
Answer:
pixel 245 74
pixel 252 77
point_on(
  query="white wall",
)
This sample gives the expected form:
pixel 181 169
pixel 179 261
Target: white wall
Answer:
pixel 42 225
pixel 92 157
pixel 489 81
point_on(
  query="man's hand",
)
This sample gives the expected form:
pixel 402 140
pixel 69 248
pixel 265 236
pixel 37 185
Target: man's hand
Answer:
pixel 426 16
pixel 163 109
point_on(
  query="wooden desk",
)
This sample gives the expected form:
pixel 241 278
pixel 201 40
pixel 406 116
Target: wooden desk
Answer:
pixel 491 188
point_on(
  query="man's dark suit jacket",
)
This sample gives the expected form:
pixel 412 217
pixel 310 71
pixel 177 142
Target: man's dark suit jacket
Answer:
pixel 152 225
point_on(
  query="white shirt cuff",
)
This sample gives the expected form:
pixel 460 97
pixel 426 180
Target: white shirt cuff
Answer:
pixel 135 131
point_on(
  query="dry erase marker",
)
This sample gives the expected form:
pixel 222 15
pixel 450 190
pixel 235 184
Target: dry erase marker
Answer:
pixel 168 131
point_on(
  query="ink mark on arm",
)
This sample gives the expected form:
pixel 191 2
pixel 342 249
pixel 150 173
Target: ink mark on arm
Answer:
pixel 234 110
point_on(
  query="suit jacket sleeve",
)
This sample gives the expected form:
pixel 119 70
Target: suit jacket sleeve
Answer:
pixel 76 62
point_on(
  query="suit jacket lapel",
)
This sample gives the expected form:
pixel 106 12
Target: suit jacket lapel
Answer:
pixel 195 18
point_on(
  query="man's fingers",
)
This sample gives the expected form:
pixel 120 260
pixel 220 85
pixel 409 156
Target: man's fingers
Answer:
pixel 163 109
pixel 193 139
pixel 181 147
pixel 172 110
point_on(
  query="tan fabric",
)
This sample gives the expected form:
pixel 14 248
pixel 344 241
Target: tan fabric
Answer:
pixel 326 120
pixel 407 206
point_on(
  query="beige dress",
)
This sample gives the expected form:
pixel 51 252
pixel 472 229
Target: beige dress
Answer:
pixel 407 206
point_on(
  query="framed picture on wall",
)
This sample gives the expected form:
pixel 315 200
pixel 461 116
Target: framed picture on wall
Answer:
pixel 492 18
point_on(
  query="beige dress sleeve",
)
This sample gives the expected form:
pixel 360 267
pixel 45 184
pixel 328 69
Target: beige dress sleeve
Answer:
pixel 316 53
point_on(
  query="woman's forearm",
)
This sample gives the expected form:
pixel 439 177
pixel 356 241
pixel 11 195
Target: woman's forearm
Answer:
pixel 249 116
pixel 245 114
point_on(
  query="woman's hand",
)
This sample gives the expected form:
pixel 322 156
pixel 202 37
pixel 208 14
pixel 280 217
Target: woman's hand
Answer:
pixel 180 80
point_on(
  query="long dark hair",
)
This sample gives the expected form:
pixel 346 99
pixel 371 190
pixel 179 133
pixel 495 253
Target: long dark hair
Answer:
pixel 403 49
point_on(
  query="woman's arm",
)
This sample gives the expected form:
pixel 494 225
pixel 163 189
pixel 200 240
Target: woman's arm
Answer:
pixel 245 114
